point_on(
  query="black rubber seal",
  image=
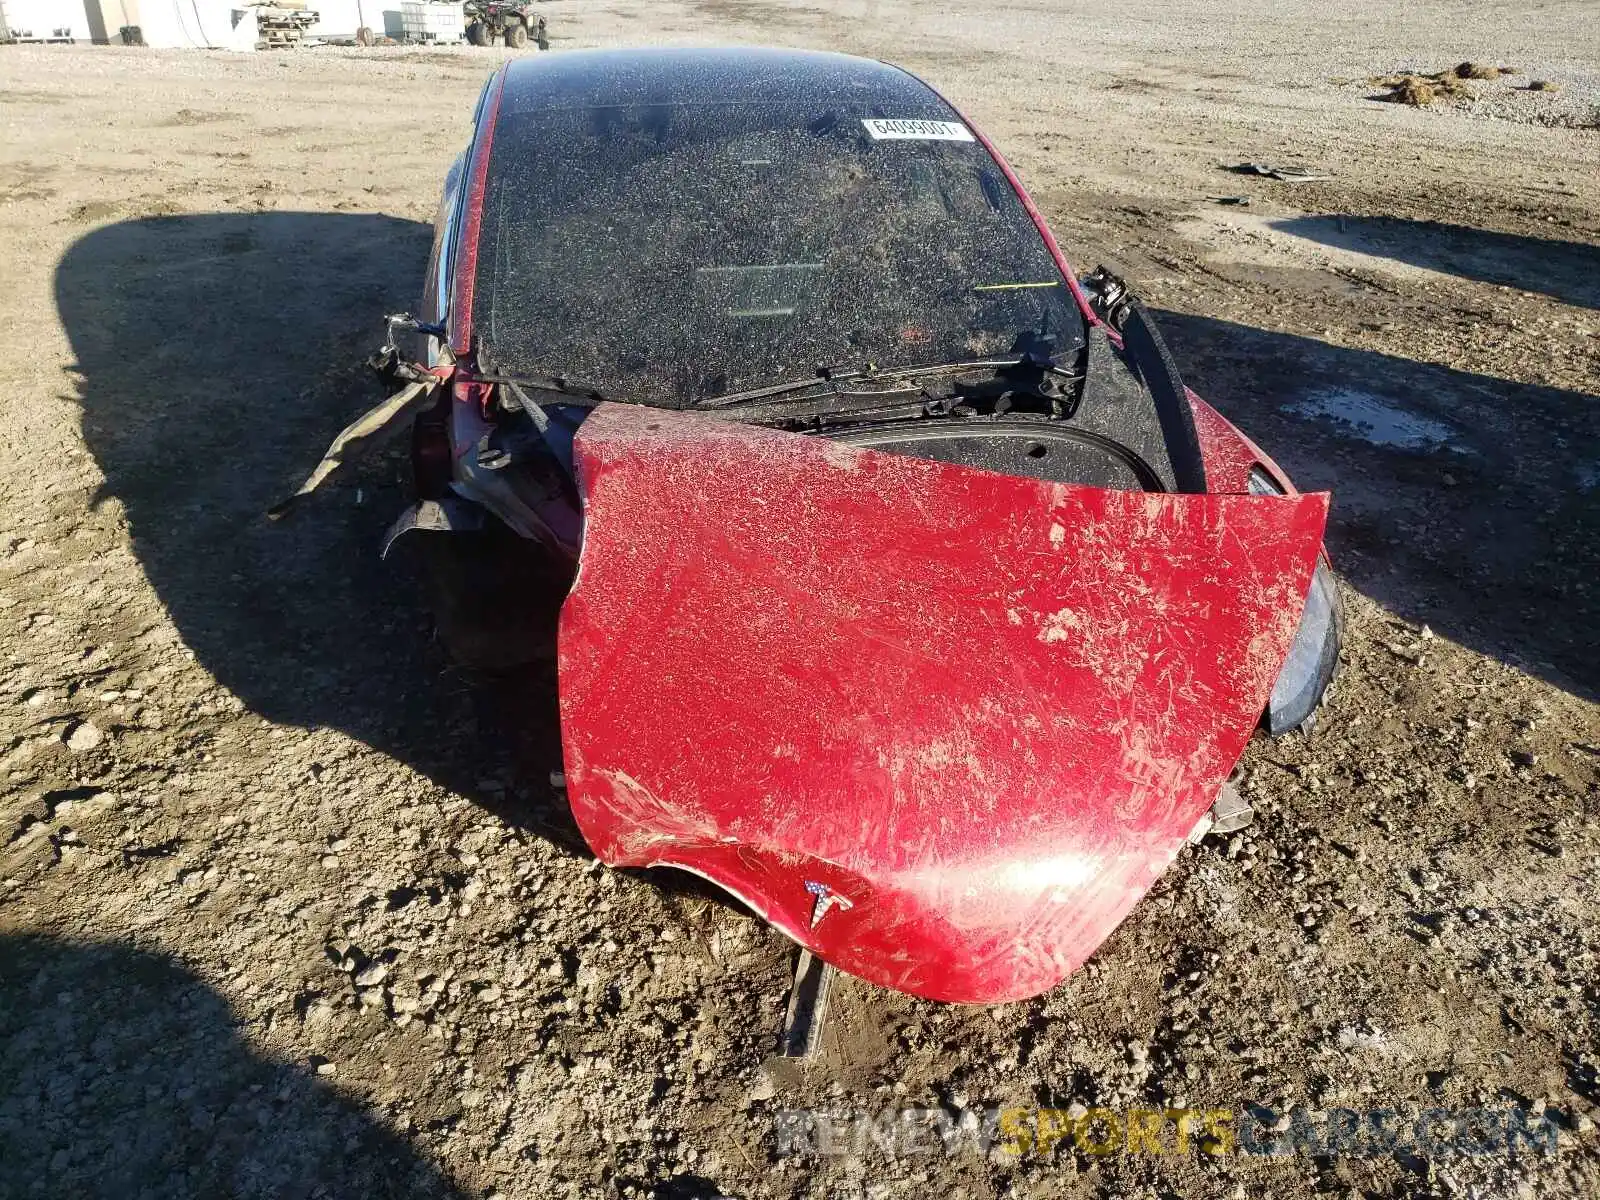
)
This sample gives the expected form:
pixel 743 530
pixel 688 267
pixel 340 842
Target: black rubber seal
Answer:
pixel 1150 357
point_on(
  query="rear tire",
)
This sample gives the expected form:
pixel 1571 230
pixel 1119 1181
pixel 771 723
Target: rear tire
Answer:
pixel 517 35
pixel 543 40
pixel 478 33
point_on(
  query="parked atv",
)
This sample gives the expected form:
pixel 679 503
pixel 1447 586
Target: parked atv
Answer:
pixel 488 21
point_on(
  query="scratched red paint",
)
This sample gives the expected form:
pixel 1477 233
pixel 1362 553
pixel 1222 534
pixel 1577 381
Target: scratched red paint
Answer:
pixel 985 711
pixel 1229 455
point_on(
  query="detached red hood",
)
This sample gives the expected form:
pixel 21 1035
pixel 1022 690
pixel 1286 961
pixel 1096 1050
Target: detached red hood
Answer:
pixel 942 726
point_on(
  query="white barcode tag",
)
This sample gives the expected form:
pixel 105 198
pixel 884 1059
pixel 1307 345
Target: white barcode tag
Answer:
pixel 922 131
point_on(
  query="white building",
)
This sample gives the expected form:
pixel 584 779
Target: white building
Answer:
pixel 201 24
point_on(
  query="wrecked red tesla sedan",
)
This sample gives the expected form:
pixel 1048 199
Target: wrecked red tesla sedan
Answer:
pixel 905 591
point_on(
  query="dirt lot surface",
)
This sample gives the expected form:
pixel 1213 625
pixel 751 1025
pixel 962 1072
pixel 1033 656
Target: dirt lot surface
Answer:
pixel 283 912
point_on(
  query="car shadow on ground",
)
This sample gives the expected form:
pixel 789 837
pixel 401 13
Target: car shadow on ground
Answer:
pixel 1462 501
pixel 1565 271
pixel 219 354
pixel 122 1074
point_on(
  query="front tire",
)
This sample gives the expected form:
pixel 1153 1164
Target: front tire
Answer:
pixel 543 40
pixel 517 36
pixel 495 597
pixel 478 33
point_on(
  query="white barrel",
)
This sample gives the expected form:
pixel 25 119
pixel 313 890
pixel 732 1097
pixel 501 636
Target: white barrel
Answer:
pixel 426 22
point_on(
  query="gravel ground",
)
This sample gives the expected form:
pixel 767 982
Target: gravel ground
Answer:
pixel 289 908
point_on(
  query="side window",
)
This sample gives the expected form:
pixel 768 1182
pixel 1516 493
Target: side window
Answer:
pixel 483 95
pixel 436 286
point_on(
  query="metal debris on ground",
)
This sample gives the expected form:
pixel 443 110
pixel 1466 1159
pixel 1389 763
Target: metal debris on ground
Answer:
pixel 1229 813
pixel 808 1007
pixel 1282 174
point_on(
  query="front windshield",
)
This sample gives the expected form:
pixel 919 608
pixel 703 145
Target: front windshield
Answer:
pixel 667 254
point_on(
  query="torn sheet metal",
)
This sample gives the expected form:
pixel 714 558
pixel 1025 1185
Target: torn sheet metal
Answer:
pixel 982 711
pixel 372 428
pixel 444 515
pixel 807 1014
pixel 1289 174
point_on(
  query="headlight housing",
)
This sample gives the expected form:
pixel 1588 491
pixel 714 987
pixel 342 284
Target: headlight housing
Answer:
pixel 1314 653
pixel 1261 483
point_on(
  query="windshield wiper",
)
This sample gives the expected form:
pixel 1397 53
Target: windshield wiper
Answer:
pixel 821 379
pixel 826 376
pixel 779 395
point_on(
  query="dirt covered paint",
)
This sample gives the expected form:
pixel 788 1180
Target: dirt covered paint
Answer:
pixel 985 710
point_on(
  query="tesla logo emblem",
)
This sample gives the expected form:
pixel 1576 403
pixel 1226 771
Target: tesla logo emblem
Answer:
pixel 827 900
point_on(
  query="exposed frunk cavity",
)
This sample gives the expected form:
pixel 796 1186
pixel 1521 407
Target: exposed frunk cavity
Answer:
pixel 1054 451
pixel 1130 427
